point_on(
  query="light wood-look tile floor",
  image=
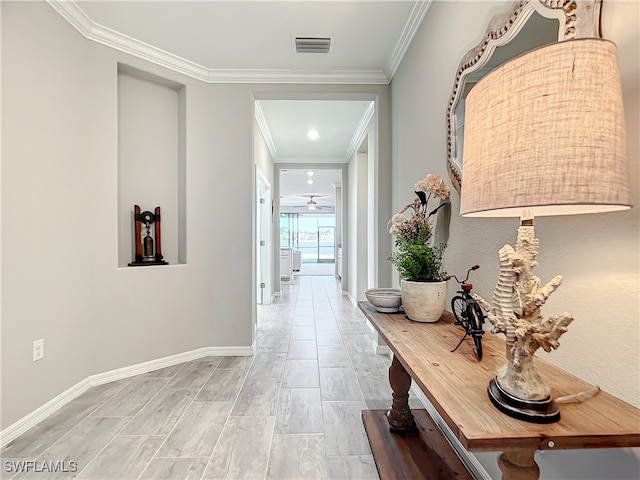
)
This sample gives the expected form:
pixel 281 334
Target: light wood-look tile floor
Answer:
pixel 292 411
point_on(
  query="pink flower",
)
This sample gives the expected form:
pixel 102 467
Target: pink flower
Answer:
pixel 409 228
pixel 433 184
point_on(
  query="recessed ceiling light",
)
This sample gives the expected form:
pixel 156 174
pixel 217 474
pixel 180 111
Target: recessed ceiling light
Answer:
pixel 313 134
pixel 309 181
pixel 310 173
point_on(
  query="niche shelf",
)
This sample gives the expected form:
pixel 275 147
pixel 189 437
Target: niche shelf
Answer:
pixel 151 159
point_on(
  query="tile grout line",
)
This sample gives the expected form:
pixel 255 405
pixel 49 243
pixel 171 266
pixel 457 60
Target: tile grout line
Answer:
pixel 130 418
pixel 351 362
pixel 99 404
pixel 324 433
pixel 244 380
pixel 266 470
pixel 281 381
pixel 155 455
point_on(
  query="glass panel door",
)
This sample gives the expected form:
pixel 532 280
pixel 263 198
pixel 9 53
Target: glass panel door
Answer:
pixel 308 239
pixel 326 244
pixel 312 235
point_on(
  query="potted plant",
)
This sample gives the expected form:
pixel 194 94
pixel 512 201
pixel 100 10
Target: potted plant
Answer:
pixel 418 261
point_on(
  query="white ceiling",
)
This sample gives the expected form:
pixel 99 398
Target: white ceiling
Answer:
pixel 339 123
pixel 295 192
pixel 247 41
pixel 253 42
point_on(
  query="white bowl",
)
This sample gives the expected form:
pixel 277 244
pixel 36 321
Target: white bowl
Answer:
pixel 385 300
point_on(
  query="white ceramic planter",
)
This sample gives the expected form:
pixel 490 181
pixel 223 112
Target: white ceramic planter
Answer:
pixel 424 301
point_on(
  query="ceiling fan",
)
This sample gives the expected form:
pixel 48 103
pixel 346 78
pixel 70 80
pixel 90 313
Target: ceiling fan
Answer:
pixel 312 204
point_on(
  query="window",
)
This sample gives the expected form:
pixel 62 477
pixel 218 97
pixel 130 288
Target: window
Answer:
pixel 311 234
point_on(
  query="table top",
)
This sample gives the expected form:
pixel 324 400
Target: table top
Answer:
pixel 456 384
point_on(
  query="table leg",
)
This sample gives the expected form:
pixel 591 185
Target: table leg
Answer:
pixel 519 464
pixel 399 416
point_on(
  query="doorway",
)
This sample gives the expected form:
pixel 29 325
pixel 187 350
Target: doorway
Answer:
pixel 308 216
pixel 317 131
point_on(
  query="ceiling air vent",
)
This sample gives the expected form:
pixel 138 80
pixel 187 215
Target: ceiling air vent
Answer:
pixel 313 45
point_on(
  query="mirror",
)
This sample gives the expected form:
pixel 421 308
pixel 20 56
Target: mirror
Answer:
pixel 526 25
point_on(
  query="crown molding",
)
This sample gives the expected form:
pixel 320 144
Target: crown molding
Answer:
pixel 75 16
pixel 360 130
pixel 72 13
pixel 419 10
pixel 264 128
pixel 291 161
pixel 298 76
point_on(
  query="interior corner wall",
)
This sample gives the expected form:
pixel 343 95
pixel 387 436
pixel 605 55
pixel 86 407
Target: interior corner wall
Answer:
pixel 358 214
pixel 352 227
pixel 262 155
pixel 598 255
pixel 371 209
pixel 380 144
pixel 338 236
pixel 345 236
pixel 362 221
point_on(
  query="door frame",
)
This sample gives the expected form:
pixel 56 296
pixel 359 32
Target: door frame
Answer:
pixel 264 272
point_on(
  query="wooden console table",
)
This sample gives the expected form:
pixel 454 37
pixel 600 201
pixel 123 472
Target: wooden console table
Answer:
pixel 456 384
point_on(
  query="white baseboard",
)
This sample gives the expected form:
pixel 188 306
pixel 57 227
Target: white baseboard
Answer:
pixel 16 429
pixel 380 349
pixel 372 332
pixel 377 343
pixel 353 301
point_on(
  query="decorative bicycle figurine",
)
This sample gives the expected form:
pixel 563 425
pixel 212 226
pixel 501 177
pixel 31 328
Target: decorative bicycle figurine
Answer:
pixel 468 313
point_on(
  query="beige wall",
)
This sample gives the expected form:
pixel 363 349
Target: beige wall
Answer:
pixel 358 225
pixel 596 254
pixel 60 275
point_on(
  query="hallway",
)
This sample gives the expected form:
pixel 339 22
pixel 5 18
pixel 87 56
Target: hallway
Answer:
pixel 290 412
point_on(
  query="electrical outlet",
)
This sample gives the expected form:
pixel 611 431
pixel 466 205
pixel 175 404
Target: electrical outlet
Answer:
pixel 38 349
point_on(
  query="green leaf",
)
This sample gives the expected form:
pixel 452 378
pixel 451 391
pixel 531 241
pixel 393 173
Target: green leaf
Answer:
pixel 418 261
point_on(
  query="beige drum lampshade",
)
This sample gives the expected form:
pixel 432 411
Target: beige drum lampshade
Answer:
pixel 544 135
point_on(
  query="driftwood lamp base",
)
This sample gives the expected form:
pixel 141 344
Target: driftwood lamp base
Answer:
pixel 540 411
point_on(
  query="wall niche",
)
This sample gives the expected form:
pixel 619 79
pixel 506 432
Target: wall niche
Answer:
pixel 151 160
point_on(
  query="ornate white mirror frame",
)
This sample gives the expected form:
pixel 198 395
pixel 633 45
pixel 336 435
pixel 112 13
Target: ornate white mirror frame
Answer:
pixel 577 19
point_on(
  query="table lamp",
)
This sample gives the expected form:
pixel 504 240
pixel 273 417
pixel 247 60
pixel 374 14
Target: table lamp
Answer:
pixel 544 135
